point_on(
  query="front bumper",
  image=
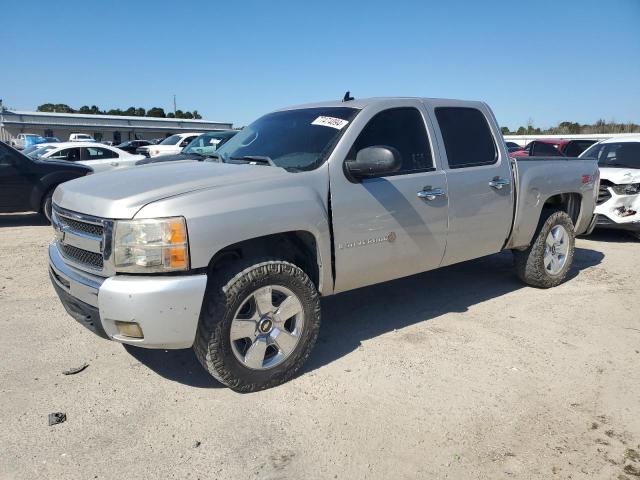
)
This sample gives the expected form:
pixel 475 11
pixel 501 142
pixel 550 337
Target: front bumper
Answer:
pixel 166 308
pixel 604 221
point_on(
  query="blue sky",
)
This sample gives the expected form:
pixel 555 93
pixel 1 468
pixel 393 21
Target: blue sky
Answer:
pixel 550 61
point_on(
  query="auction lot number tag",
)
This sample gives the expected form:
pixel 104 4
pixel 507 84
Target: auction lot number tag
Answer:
pixel 332 122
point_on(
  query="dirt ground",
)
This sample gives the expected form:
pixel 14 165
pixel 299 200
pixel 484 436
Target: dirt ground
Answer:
pixel 461 373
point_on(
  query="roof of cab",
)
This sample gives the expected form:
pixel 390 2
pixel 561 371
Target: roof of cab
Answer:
pixel 361 103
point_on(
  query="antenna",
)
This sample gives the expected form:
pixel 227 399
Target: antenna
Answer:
pixel 347 97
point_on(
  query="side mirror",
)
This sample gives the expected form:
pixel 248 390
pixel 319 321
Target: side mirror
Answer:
pixel 374 161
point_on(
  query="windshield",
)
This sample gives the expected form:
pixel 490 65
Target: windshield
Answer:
pixel 208 143
pixel 172 140
pixel 293 139
pixel 39 152
pixel 615 155
pixel 32 148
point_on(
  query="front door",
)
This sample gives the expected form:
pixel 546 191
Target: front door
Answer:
pixel 385 228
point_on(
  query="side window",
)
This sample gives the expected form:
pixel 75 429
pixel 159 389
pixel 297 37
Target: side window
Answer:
pixel 546 150
pixel 70 154
pixel 186 141
pixel 97 153
pixel 467 137
pixel 7 156
pixel 402 129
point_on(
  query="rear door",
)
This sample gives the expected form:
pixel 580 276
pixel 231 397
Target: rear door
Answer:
pixel 479 179
pixel 382 229
pixel 100 159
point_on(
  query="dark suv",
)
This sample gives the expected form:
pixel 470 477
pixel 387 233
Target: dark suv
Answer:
pixel 27 184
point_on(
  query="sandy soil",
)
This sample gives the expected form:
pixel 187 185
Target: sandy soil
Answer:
pixel 459 373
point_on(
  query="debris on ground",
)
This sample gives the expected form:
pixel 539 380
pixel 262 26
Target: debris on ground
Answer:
pixel 56 418
pixel 73 371
pixel 196 444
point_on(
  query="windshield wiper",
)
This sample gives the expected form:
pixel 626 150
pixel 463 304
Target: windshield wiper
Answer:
pixel 256 159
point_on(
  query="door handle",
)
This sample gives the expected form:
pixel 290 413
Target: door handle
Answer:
pixel 429 193
pixel 498 183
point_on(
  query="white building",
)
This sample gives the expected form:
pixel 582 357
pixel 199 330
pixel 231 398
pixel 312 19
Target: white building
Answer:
pixel 113 128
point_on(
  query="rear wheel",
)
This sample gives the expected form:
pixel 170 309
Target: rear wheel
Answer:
pixel 548 259
pixel 258 325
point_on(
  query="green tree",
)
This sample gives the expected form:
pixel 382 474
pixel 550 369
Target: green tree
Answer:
pixel 196 115
pixel 156 112
pixel 505 130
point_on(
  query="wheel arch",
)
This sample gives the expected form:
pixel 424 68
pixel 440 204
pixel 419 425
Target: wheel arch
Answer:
pixel 299 247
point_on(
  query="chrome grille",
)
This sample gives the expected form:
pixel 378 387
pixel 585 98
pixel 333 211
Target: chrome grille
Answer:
pixel 90 228
pixel 84 241
pixel 93 260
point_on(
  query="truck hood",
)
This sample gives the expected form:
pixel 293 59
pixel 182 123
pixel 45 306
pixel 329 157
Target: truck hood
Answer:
pixel 620 176
pixel 121 193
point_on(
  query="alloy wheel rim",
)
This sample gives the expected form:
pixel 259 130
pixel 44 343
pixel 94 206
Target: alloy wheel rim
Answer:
pixel 267 327
pixel 556 249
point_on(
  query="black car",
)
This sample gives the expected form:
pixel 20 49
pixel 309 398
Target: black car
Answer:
pixel 27 184
pixel 132 145
pixel 200 148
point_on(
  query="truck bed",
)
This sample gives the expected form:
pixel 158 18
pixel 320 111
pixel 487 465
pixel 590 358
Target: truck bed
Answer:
pixel 534 186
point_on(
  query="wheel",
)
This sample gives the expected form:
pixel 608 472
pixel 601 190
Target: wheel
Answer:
pixel 46 205
pixel 548 259
pixel 258 325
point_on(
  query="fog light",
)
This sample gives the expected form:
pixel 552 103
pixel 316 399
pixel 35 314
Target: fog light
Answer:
pixel 129 329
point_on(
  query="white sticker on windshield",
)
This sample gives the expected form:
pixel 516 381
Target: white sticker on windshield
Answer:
pixel 332 122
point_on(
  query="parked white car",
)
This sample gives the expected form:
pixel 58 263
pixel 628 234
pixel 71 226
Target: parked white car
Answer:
pixel 98 156
pixel 618 204
pixel 81 137
pixel 169 146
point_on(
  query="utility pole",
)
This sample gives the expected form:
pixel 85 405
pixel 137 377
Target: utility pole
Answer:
pixel 174 104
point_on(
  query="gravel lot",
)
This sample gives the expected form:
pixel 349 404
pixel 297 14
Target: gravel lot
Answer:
pixel 458 373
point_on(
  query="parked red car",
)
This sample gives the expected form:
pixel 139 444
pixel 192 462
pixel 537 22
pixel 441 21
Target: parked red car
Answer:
pixel 553 148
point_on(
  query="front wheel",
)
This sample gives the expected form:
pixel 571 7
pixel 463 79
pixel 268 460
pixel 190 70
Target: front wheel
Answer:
pixel 47 205
pixel 258 325
pixel 547 261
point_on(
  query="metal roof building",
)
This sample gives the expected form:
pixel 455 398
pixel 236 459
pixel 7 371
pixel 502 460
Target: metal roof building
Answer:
pixel 114 128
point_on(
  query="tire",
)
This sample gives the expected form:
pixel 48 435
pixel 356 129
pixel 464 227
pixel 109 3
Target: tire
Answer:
pixel 238 293
pixel 46 208
pixel 530 263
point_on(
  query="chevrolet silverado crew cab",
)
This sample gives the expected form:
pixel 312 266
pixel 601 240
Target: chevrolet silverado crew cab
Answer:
pixel 230 256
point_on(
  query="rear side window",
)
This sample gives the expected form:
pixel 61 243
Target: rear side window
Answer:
pixel 467 137
pixel 403 129
pixel 541 149
pixel 97 153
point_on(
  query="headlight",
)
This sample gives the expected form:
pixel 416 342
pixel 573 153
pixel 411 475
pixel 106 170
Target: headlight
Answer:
pixel 154 152
pixel 630 189
pixel 151 245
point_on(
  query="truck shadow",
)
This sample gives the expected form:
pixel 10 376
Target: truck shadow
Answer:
pixel 355 316
pixel 177 365
pixel 352 317
pixel 22 220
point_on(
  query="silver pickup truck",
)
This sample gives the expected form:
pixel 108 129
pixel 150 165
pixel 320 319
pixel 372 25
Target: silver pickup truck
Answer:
pixel 231 256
